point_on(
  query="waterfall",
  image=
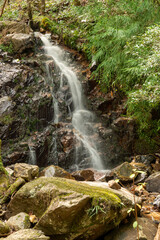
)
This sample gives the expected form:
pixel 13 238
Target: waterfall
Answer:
pixel 32 155
pixel 82 119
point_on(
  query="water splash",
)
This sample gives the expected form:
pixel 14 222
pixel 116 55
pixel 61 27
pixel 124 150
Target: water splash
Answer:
pixel 82 119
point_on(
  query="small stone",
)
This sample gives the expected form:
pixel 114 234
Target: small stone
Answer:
pixel 19 221
pixel 114 185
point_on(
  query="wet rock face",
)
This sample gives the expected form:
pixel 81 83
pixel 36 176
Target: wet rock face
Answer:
pixel 30 120
pixel 24 108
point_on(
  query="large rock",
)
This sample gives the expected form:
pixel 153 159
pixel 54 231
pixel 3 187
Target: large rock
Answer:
pixel 20 41
pixel 153 182
pixel 26 171
pixel 27 234
pixel 71 210
pixel 20 221
pixel 9 27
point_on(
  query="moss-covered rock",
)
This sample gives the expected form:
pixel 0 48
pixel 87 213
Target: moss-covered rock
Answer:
pixel 4 229
pixel 71 210
pixel 4 178
pixel 20 221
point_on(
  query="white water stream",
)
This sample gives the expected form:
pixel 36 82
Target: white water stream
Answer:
pixel 81 118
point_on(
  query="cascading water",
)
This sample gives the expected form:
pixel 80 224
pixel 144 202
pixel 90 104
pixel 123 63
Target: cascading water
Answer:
pixel 82 119
pixel 32 155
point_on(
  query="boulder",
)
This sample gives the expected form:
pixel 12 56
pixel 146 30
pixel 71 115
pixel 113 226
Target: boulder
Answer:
pixel 153 182
pixel 84 175
pixel 72 210
pixel 20 41
pixel 8 27
pixel 123 172
pixel 127 232
pixel 157 237
pixel 26 171
pixel 27 234
pixel 55 171
pixel 20 221
pixel 4 228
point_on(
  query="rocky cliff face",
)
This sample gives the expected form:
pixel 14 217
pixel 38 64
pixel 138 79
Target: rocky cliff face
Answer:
pixel 27 115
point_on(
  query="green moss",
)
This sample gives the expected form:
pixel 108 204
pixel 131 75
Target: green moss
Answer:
pixel 7 119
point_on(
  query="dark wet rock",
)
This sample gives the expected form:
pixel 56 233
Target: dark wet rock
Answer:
pixel 125 128
pixel 146 159
pixel 9 74
pixel 127 232
pixel 144 171
pixel 153 182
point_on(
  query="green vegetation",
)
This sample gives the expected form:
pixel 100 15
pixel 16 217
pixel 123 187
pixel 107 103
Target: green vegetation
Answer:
pixel 121 37
pixel 7 48
pixel 6 120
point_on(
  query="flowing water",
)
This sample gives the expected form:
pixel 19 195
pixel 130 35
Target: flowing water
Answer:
pixel 82 119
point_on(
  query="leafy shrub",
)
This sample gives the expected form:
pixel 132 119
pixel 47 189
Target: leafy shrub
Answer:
pixel 142 71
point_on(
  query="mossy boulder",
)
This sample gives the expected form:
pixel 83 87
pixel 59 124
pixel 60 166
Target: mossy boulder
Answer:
pixel 20 221
pixel 71 210
pixel 4 229
pixel 124 171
